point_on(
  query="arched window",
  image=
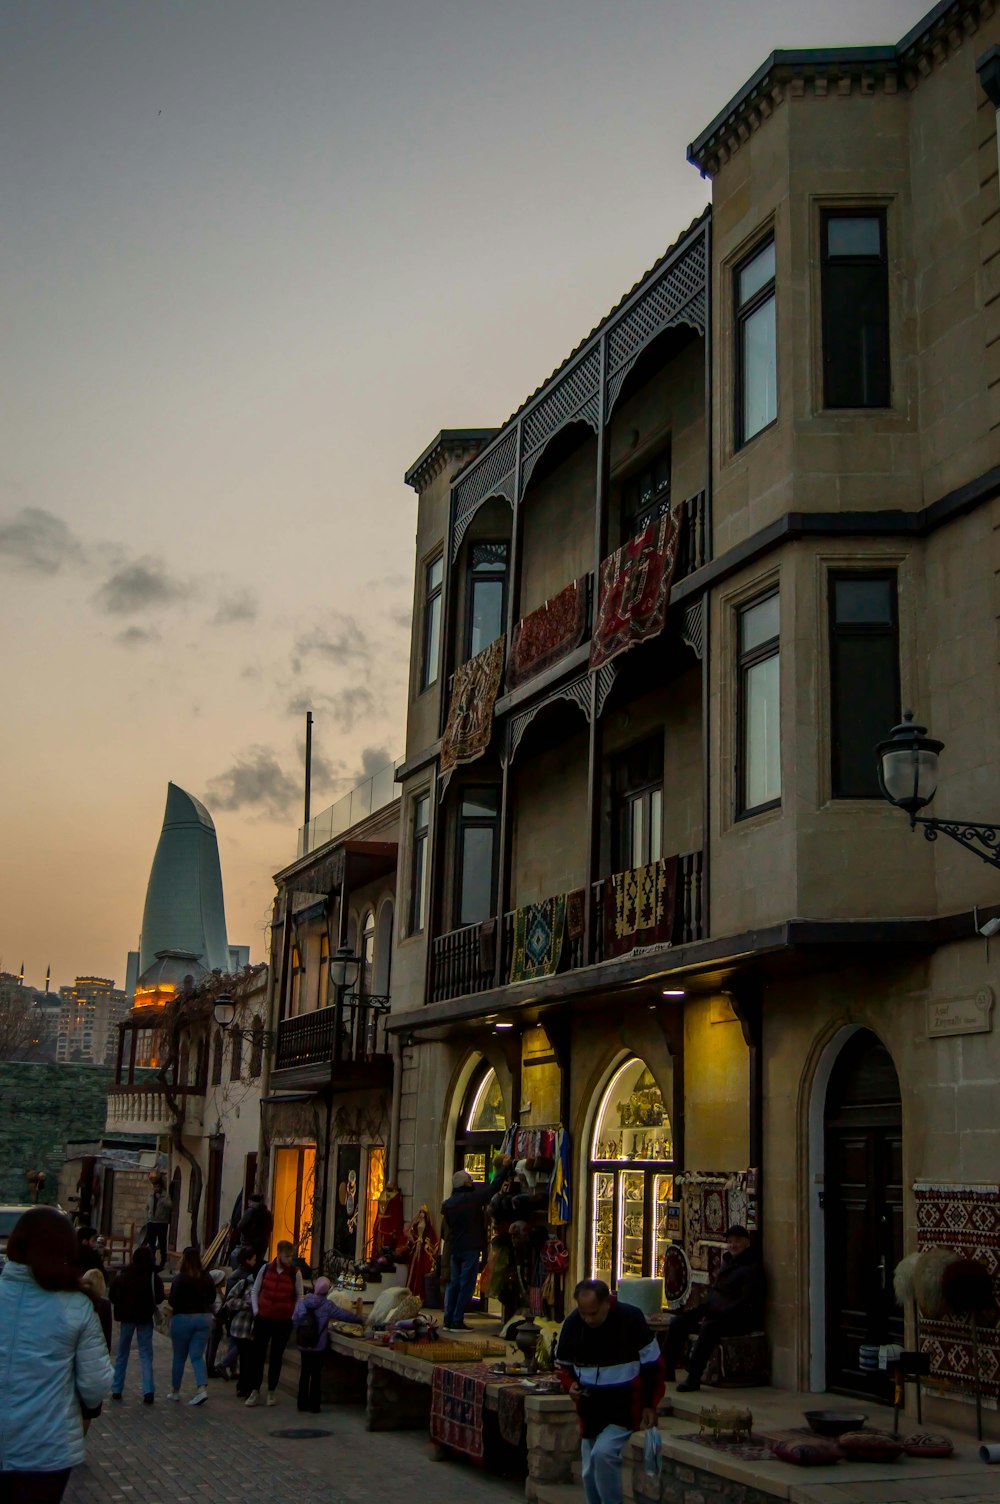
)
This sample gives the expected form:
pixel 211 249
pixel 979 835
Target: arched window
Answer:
pixel 218 1048
pixel 256 1048
pixel 631 1176
pixel 367 954
pixel 482 1125
pixel 383 949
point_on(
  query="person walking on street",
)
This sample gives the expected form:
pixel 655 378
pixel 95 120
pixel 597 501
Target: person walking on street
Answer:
pixel 311 1319
pixel 609 1362
pixel 88 1254
pixel 192 1296
pixel 733 1306
pixel 54 1359
pixel 275 1294
pixel 237 1310
pixel 159 1210
pixel 464 1229
pixel 135 1294
pixel 255 1227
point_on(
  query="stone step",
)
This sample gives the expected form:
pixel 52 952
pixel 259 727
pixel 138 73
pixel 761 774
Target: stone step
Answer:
pixel 554 1493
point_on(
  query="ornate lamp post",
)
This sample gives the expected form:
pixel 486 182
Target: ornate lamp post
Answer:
pixel 908 778
pixel 224 1011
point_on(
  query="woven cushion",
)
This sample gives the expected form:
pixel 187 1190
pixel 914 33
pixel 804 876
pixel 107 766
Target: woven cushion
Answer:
pixel 870 1446
pixel 926 1444
pixel 818 1451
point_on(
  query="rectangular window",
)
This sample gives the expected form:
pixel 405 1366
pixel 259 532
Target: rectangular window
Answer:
pixel 756 345
pixel 477 845
pixel 855 288
pixel 236 1056
pixel 431 664
pixel 487 596
pixel 646 495
pixel 637 791
pixel 759 722
pixel 418 863
pixel 864 678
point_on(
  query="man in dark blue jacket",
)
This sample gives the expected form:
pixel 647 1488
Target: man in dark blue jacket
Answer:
pixel 464 1230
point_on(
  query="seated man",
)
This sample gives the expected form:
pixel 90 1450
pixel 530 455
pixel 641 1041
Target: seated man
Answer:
pixel 734 1305
pixel 609 1362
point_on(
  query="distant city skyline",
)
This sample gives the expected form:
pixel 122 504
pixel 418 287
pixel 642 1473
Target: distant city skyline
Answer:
pixel 256 257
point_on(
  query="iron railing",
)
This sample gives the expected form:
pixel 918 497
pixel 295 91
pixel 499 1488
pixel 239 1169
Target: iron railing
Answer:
pixel 353 1029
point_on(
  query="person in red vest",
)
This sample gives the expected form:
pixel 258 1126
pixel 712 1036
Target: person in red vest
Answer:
pixel 276 1291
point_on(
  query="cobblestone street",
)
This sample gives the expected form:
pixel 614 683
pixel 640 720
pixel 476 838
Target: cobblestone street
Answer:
pixel 226 1454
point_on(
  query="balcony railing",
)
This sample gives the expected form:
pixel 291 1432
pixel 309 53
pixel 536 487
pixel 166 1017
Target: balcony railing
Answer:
pixel 463 961
pixel 145 1109
pixel 352 1031
pixel 693 551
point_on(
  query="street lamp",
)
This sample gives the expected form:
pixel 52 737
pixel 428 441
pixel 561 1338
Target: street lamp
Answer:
pixel 908 778
pixel 224 1011
pixel 344 968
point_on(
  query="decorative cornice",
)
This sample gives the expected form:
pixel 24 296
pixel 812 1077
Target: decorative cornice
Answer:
pixel 824 72
pixel 452 446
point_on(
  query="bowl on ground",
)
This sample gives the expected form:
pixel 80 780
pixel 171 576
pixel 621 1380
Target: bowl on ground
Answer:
pixel 834 1422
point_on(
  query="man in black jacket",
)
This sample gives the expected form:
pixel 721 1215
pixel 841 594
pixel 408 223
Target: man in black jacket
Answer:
pixel 734 1305
pixel 464 1232
pixel 255 1228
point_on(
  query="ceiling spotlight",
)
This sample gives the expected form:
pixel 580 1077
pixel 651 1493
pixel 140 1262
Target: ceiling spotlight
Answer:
pixel 499 1025
pixel 674 992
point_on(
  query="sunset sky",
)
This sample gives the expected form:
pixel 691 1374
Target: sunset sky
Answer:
pixel 256 254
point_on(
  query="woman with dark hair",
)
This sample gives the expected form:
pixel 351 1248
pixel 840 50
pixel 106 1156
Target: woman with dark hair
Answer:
pixel 135 1295
pixel 55 1359
pixel 192 1296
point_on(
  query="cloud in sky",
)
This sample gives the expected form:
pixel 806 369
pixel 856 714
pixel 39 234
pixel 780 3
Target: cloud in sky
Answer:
pixel 237 607
pixel 341 640
pixel 341 710
pixel 142 585
pixel 137 637
pixel 256 782
pixel 38 542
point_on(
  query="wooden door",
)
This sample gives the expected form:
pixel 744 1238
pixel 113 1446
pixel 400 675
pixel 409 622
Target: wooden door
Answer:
pixel 863 1208
pixel 213 1188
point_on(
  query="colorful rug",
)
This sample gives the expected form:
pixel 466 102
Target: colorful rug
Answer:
pixel 635 589
pixel 576 914
pixel 639 907
pixel 712 1202
pixel 470 714
pixel 548 634
pixel 966 1218
pixel 538 939
pixel 458 1396
pixel 754 1449
pixel 510 1413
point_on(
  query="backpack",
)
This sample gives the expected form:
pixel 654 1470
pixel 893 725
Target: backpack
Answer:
pixel 307 1331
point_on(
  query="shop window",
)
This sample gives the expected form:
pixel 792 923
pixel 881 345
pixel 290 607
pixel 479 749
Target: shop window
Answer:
pixel 631 1177
pixel 478 817
pixel 758 711
pixel 756 344
pixel 637 791
pixel 855 292
pixel 646 495
pixel 482 1125
pixel 292 1199
pixel 374 1186
pixel 486 604
pixel 430 665
pixel 864 678
pixel 418 863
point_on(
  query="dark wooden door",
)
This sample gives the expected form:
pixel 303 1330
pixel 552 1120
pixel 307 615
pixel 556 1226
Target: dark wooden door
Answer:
pixel 213 1188
pixel 863 1209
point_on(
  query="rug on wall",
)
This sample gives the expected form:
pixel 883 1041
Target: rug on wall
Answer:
pixel 538 939
pixel 713 1201
pixel 544 636
pixel 639 907
pixel 967 1219
pixel 634 589
pixel 470 713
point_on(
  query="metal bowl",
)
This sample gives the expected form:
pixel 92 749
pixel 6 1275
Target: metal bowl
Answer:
pixel 834 1422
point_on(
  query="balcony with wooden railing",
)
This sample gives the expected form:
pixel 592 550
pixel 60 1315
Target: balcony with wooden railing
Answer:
pixel 463 961
pixel 341 1046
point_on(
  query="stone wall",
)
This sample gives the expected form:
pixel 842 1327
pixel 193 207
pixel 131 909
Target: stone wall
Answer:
pixel 44 1107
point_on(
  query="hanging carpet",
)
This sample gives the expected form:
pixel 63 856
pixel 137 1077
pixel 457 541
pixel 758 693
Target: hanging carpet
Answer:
pixel 458 1396
pixel 470 714
pixel 635 589
pixel 639 907
pixel 967 1219
pixel 538 939
pixel 544 636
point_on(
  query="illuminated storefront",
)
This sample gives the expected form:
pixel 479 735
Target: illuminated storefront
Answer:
pixel 631 1177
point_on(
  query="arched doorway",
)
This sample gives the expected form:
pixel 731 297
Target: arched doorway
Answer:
pixel 482 1124
pixel 863 1212
pixel 631 1176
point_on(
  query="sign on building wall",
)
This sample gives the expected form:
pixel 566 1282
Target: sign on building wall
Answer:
pixel 960 1015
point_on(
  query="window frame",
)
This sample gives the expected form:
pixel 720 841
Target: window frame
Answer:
pixel 430 672
pixel 742 312
pixel 491 576
pixel 475 822
pixel 626 792
pixel 853 211
pixel 629 525
pixel 419 874
pixel 770 648
pixel 888 574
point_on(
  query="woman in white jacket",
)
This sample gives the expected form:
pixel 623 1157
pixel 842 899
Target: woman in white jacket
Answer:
pixel 53 1358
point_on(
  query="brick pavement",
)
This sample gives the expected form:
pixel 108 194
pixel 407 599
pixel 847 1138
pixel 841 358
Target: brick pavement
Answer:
pixel 222 1453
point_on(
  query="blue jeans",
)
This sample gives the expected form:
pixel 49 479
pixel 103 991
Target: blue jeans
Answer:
pixel 602 1466
pixel 188 1335
pixel 144 1337
pixel 461 1284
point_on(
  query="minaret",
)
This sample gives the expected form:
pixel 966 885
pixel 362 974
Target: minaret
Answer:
pixel 48 976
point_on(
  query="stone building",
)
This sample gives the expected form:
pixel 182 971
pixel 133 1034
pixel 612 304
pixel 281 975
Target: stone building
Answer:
pixel 648 887
pixel 90 1012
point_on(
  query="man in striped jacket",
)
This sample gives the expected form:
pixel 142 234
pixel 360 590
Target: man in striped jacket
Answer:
pixel 609 1362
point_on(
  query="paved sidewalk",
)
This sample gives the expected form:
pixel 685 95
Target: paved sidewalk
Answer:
pixel 222 1453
